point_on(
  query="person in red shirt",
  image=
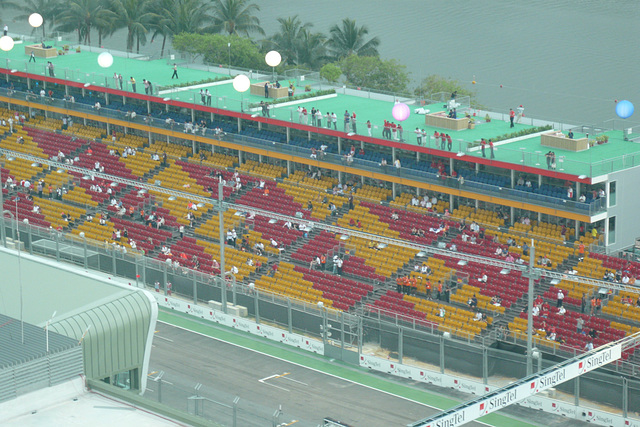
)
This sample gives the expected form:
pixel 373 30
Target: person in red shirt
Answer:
pixel 304 114
pixel 449 142
pixel 393 131
pixel 386 132
pixel 491 148
pixel 483 143
pixel 400 132
pixel 512 116
pixel 436 136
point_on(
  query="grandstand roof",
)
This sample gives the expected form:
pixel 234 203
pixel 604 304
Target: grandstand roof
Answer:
pixel 104 312
pixel 525 152
pixel 12 349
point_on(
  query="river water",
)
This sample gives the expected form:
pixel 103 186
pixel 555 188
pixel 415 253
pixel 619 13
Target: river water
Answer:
pixel 564 60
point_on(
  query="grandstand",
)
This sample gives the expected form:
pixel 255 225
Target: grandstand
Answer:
pixel 332 231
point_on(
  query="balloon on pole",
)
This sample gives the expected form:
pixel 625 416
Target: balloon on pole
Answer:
pixel 35 20
pixel 401 112
pixel 105 60
pixel 6 43
pixel 624 109
pixel 241 83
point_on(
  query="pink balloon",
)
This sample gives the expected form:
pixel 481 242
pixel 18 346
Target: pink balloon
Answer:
pixel 401 112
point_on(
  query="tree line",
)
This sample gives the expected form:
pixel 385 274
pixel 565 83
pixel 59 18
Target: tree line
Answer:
pixel 206 27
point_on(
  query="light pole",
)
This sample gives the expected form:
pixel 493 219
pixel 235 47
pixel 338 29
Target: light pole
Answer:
pixel 223 281
pixel 229 48
pixel 46 329
pixel 3 239
pixel 19 243
pixel 532 255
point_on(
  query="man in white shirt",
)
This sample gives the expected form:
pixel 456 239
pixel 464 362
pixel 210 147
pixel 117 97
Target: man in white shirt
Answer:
pixel 520 114
pixel 560 298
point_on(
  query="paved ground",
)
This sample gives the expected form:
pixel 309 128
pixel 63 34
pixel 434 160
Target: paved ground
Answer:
pixel 266 383
pixel 266 375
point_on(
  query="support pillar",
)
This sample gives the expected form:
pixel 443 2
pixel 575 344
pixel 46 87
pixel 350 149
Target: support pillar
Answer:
pixel 239 125
pixel 288 135
pixel 339 146
pixel 288 167
pixel 393 189
pixel 149 108
pixel 442 354
pixel 577 230
pixel 260 158
pixel 539 181
pixel 259 125
pixel 289 316
pixel 513 179
pixel 393 155
pixel 195 290
pixel 450 202
pixel 400 344
pixel 340 177
pixel 239 157
pixel 485 365
pixel 625 397
pixel 193 147
pixel 511 213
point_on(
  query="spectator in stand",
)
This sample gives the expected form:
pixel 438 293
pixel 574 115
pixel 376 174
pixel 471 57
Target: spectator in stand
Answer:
pixel 473 301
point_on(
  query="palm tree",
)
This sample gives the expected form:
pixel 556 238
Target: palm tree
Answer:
pixel 84 15
pixel 349 39
pixel 48 9
pixel 287 39
pixel 177 16
pixel 235 17
pixel 312 51
pixel 136 17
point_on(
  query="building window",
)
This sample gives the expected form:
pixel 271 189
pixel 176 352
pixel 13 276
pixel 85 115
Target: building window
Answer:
pixel 612 193
pixel 612 230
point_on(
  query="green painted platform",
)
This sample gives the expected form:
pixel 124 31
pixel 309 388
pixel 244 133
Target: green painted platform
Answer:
pixel 83 67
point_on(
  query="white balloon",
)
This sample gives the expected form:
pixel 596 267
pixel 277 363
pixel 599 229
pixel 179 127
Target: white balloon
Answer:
pixel 273 58
pixel 35 20
pixel 6 43
pixel 105 60
pixel 241 83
